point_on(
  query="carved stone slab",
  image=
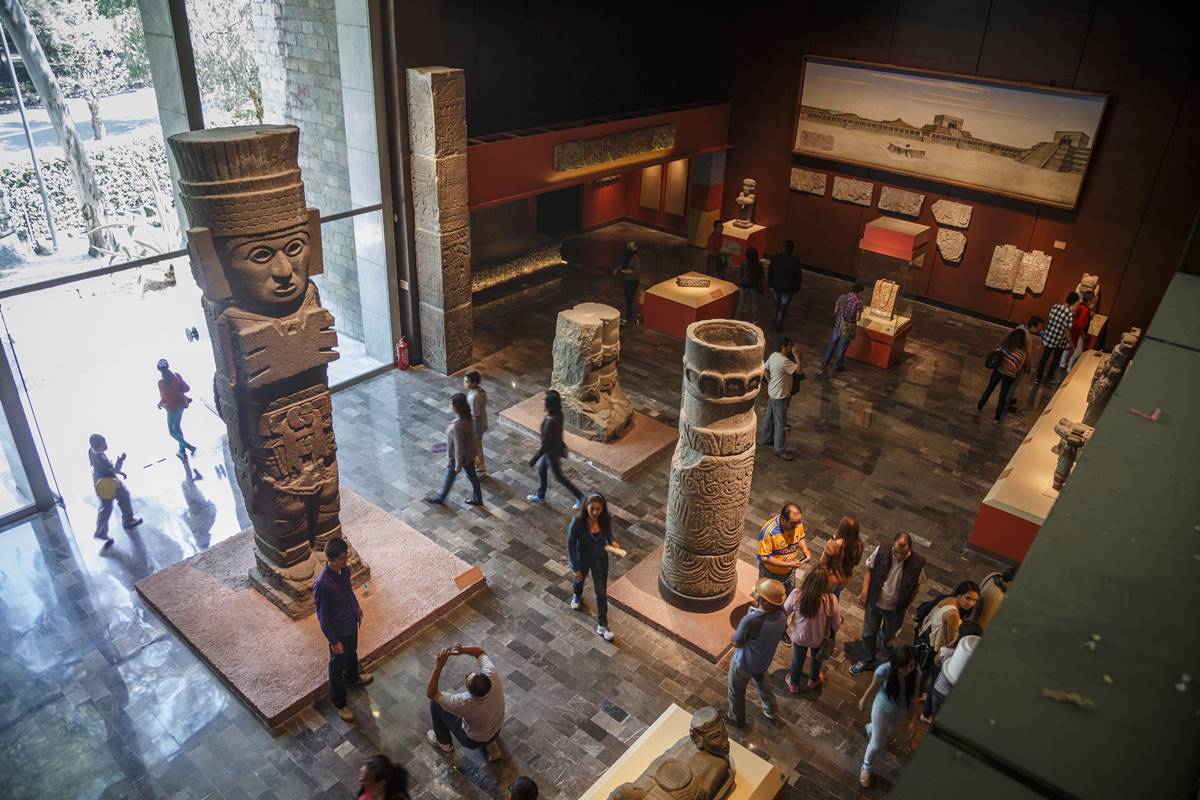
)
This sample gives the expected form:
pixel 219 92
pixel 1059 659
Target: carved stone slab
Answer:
pixel 615 146
pixel 1031 274
pixel 883 297
pixel 852 191
pixel 1002 272
pixel 948 212
pixel 807 181
pixel 951 245
pixel 899 201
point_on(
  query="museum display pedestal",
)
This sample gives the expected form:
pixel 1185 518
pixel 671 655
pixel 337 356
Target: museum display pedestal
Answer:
pixel 277 665
pixel 754 777
pixel 646 440
pixel 880 342
pixel 755 236
pixel 708 633
pixel 670 308
pixel 1019 501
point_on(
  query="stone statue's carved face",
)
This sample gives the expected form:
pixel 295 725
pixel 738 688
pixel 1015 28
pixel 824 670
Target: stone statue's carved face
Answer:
pixel 712 738
pixel 748 186
pixel 266 269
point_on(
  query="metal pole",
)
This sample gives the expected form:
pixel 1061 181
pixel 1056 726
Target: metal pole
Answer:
pixel 37 168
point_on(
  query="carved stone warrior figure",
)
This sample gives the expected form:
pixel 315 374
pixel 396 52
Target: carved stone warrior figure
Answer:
pixel 254 244
pixel 587 343
pixel 1089 291
pixel 1108 375
pixel 696 767
pixel 713 462
pixel 1074 436
pixel 745 202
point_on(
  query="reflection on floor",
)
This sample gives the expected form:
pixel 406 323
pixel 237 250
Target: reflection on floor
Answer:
pixel 101 701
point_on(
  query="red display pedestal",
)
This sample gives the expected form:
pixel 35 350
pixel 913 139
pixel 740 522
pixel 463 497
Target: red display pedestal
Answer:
pixel 879 342
pixel 670 308
pixel 1000 533
pixel 741 238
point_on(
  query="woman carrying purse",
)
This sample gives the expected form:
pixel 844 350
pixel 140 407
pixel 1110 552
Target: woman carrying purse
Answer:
pixel 815 616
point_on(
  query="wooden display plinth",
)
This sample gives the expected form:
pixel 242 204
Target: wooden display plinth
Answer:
pixel 742 238
pixel 754 777
pixel 1018 503
pixel 669 308
pixel 879 342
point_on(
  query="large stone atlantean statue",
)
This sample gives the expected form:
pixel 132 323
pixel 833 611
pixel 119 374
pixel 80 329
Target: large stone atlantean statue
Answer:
pixel 1072 437
pixel 254 246
pixel 696 767
pixel 713 462
pixel 1108 375
pixel 587 344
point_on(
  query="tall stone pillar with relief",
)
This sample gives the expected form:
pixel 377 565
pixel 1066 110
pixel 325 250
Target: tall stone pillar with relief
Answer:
pixel 254 246
pixel 437 123
pixel 713 464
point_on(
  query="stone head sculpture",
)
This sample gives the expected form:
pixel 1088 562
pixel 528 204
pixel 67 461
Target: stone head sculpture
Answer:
pixel 749 185
pixel 254 242
pixel 708 732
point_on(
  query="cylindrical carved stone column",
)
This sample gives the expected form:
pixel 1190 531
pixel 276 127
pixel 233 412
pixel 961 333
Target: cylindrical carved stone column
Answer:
pixel 713 462
pixel 587 345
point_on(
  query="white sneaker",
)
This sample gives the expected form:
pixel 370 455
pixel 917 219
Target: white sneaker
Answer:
pixel 604 633
pixel 432 739
pixel 576 602
pixel 533 498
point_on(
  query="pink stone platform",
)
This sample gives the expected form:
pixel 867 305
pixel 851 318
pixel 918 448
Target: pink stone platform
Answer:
pixel 646 440
pixel 708 633
pixel 277 665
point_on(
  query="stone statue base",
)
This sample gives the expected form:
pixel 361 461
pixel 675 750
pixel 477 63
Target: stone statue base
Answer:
pixel 743 223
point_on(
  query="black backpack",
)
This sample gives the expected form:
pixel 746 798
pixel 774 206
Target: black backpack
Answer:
pixel 993 359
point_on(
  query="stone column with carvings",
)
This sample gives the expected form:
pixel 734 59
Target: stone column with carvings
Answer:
pixel 438 135
pixel 254 246
pixel 587 346
pixel 713 463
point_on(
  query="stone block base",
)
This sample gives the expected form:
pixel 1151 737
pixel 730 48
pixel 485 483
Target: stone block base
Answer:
pixel 708 633
pixel 646 440
pixel 277 665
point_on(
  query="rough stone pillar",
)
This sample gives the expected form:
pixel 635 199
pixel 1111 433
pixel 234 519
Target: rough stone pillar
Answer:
pixel 587 344
pixel 437 123
pixel 713 462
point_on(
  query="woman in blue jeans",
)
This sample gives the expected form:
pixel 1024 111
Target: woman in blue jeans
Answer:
pixel 897 683
pixel 589 533
pixel 552 451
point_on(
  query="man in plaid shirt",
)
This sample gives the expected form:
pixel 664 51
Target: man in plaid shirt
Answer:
pixel 1054 338
pixel 848 309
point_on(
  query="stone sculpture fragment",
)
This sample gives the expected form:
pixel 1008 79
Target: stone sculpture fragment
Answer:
pixel 697 767
pixel 852 191
pixel 1108 374
pixel 254 246
pixel 1073 436
pixel 899 201
pixel 948 212
pixel 1031 273
pixel 587 346
pixel 883 298
pixel 1002 272
pixel 713 463
pixel 951 245
pixel 745 203
pixel 807 181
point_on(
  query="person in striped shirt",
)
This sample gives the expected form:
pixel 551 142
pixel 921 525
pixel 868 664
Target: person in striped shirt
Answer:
pixel 1012 359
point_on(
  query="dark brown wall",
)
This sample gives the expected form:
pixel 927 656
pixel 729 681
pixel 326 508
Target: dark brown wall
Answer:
pixel 1140 195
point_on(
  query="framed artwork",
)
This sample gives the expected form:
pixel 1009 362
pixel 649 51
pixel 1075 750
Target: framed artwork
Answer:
pixel 1030 142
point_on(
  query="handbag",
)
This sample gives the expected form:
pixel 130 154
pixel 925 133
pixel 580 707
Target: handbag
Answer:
pixel 825 651
pixel 797 378
pixel 106 488
pixel 993 359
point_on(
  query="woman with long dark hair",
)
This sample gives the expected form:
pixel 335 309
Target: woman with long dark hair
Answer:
pixel 552 451
pixel 842 554
pixel 1009 358
pixel 380 779
pixel 898 683
pixel 588 534
pixel 460 453
pixel 815 616
pixel 750 284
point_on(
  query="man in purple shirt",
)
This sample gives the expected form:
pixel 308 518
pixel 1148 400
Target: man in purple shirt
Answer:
pixel 847 310
pixel 339 615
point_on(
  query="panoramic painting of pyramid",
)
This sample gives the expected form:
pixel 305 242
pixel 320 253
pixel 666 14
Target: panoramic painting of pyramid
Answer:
pixel 1029 142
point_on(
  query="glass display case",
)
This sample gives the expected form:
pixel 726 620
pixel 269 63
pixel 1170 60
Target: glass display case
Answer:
pixel 889 252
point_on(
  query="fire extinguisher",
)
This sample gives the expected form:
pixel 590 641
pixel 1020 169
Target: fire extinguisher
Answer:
pixel 401 354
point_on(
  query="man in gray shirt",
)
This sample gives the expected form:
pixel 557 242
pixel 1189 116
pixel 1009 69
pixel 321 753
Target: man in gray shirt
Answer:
pixel 472 717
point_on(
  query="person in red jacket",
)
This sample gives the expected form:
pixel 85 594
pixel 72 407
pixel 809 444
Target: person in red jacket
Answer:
pixel 1081 315
pixel 172 394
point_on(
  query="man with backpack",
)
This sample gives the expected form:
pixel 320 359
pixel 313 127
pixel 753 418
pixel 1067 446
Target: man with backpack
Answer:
pixel 890 584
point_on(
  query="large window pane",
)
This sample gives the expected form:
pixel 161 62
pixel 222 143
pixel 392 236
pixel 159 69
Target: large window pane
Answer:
pixel 111 204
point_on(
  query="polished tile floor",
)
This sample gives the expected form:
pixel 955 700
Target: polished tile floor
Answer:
pixel 100 699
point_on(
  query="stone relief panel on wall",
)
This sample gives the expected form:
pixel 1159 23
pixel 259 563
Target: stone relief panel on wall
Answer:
pixel 1031 274
pixel 899 201
pixel 951 245
pixel 807 181
pixel 948 212
pixel 587 347
pixel 852 191
pixel 713 463
pixel 613 147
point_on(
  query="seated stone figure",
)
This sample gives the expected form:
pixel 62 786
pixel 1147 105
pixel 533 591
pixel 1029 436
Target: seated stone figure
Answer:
pixel 695 768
